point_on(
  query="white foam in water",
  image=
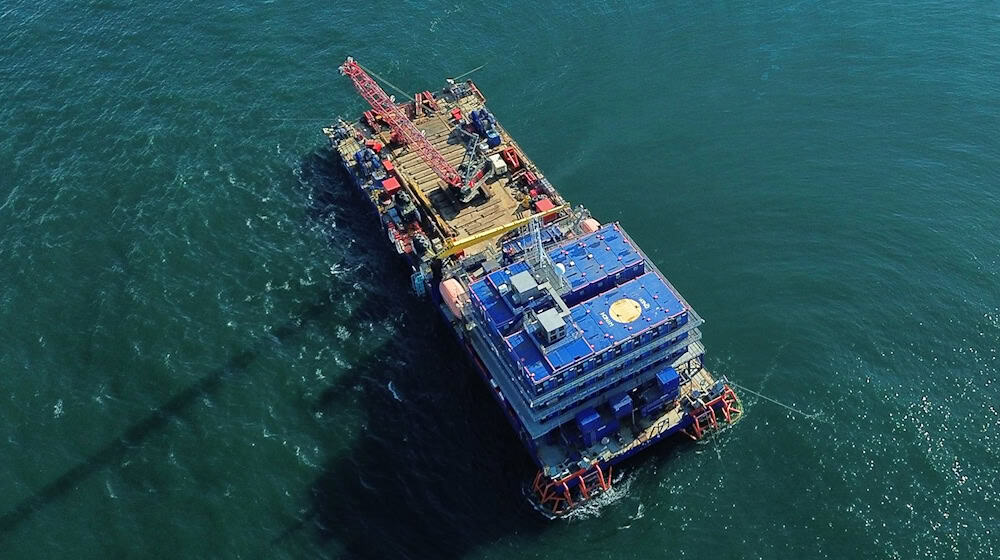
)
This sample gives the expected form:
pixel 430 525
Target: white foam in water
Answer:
pixel 395 395
pixel 57 410
pixel 592 507
pixel 638 515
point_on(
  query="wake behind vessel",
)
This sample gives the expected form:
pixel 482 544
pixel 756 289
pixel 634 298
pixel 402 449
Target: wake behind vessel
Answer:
pixel 590 351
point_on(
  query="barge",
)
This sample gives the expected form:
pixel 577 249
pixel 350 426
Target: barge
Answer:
pixel 590 351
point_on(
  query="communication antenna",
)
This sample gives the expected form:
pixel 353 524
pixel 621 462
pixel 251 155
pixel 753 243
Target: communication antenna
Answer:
pixel 540 261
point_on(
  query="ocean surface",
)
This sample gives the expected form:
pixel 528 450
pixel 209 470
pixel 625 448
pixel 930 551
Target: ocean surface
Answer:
pixel 208 351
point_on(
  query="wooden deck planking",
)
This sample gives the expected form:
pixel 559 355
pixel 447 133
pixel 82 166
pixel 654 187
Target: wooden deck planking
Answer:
pixel 500 208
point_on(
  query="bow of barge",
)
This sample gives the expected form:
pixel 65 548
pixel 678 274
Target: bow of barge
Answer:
pixel 592 354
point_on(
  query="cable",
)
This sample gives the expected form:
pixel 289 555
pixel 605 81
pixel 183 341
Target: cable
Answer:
pixel 387 82
pixel 767 398
pixel 456 78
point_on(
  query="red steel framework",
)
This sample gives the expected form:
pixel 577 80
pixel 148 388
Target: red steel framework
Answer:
pixel 557 496
pixel 401 126
pixel 705 417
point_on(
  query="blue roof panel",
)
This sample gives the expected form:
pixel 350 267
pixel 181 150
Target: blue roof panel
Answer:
pixel 594 321
pixel 656 301
pixel 487 290
pixel 541 364
pixel 500 276
pixel 569 352
pixel 496 308
pixel 592 326
pixel 595 256
pixel 527 355
pixel 588 323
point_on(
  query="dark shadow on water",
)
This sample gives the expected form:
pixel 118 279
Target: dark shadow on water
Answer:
pixel 435 470
pixel 321 208
pixel 160 418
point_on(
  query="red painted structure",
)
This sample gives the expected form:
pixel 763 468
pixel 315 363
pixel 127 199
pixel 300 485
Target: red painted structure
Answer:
pixel 401 126
pixel 544 205
pixel 705 417
pixel 556 493
pixel 390 185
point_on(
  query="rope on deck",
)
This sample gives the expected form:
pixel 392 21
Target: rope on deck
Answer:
pixel 781 404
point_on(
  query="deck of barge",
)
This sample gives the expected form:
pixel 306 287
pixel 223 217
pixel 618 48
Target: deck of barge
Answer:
pixel 504 202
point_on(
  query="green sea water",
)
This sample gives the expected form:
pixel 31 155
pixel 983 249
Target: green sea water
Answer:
pixel 208 351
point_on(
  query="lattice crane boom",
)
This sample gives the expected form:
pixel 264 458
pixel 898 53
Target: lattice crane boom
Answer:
pixel 401 126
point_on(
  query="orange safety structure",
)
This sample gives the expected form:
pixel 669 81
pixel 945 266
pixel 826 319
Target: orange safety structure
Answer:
pixel 556 493
pixel 705 417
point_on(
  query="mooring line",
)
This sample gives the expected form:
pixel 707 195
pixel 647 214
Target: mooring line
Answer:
pixel 388 83
pixel 781 404
pixel 458 77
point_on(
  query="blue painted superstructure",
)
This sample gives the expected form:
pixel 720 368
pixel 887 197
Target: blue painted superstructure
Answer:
pixel 600 356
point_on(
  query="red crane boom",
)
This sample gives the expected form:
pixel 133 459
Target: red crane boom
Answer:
pixel 401 126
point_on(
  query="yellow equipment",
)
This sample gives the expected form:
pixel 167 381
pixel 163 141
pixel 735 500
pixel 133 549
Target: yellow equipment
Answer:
pixel 462 244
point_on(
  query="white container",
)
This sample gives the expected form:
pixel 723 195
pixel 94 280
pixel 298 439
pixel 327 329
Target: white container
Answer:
pixel 499 165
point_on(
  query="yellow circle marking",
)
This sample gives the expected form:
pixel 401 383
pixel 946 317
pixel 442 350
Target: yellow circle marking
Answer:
pixel 625 310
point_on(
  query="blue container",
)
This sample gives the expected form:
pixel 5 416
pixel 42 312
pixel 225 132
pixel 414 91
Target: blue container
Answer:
pixel 648 410
pixel 622 406
pixel 484 123
pixel 492 138
pixel 607 429
pixel 588 420
pixel 670 382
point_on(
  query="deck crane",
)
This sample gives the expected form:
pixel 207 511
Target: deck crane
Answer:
pixel 405 130
pixel 401 126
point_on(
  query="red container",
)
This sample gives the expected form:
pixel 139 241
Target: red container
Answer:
pixel 543 205
pixel 510 156
pixel 390 185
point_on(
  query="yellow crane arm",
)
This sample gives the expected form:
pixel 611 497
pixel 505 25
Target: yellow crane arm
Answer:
pixel 462 244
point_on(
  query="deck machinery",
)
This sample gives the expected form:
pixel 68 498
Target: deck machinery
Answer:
pixel 590 351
